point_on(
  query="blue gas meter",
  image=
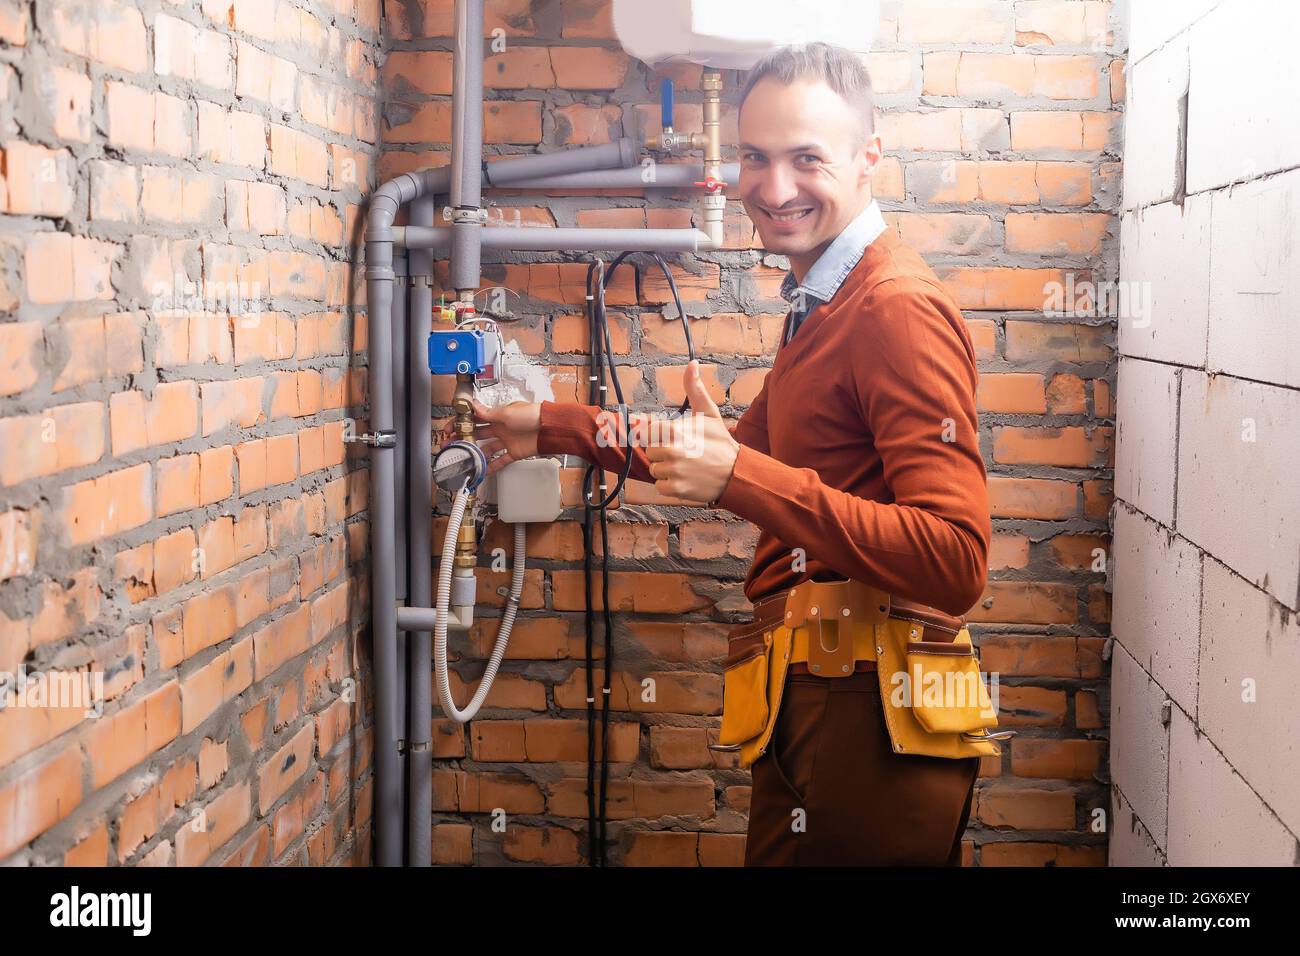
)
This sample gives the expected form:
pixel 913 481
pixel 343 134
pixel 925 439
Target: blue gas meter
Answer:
pixel 458 352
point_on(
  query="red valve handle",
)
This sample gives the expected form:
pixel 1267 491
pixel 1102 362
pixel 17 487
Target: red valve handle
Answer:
pixel 711 184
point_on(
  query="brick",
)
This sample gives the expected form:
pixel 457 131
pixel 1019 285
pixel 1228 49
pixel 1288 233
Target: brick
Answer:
pixel 1066 446
pixel 264 76
pixel 221 819
pixel 39 180
pixel 1011 392
pixel 1057 234
pixel 954 21
pixel 66 268
pixel 22 350
pixel 178 484
pixel 1146 452
pixel 119 742
pixel 111 32
pixel 38 799
pixel 64 97
pixel 1060 23
pixel 69 436
pixel 107 505
pixel 285 768
pixel 222 679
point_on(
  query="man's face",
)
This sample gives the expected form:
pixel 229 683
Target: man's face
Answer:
pixel 801 179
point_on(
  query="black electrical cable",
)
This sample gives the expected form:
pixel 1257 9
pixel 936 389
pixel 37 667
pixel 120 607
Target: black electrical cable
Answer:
pixel 602 358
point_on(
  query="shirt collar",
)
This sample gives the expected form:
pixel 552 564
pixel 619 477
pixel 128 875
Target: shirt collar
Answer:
pixel 833 266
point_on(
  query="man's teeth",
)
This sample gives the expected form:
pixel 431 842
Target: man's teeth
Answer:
pixel 789 217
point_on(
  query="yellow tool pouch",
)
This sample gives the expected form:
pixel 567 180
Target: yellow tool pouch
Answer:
pixel 948 695
pixel 745 706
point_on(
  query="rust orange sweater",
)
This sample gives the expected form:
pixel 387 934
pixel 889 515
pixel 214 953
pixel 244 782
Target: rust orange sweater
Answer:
pixel 862 447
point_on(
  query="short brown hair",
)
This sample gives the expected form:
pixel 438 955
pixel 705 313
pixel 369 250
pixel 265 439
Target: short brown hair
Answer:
pixel 842 70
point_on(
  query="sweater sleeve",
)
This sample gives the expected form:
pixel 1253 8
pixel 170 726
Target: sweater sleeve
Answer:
pixel 914 377
pixel 569 428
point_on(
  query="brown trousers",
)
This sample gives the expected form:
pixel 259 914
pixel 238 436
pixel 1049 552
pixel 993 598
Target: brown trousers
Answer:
pixel 863 804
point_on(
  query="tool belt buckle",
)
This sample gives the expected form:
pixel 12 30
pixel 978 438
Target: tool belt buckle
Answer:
pixel 843 602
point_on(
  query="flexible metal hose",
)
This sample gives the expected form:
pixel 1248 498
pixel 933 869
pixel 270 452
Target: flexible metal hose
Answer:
pixel 443 600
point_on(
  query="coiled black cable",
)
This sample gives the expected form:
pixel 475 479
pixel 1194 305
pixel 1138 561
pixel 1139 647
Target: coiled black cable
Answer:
pixel 602 359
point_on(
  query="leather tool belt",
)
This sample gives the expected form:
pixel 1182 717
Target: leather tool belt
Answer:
pixel 834 629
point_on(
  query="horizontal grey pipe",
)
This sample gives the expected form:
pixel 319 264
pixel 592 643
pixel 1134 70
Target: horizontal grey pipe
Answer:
pixel 621 154
pixel 657 176
pixel 437 179
pixel 417 618
pixel 548 239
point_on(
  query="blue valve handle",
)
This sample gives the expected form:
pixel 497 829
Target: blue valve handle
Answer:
pixel 666 104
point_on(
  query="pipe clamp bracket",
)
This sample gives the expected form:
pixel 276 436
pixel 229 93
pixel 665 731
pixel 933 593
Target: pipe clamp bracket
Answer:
pixel 380 439
pixel 474 215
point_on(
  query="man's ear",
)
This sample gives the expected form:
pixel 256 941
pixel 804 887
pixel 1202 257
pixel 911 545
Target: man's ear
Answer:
pixel 870 155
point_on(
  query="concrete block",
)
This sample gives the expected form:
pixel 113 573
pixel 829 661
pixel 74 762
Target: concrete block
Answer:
pixel 1152 23
pixel 1215 818
pixel 1250 648
pixel 1130 842
pixel 1139 752
pixel 1157 602
pixel 1164 289
pixel 1151 122
pixel 1255 282
pixel 1146 432
pixel 1239 478
pixel 1243 114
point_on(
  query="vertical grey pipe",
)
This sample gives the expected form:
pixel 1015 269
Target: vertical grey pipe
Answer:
pixel 398 324
pixel 400 286
pixel 419 518
pixel 467 143
pixel 383 582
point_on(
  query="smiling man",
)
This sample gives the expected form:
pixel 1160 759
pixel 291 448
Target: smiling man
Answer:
pixel 858 459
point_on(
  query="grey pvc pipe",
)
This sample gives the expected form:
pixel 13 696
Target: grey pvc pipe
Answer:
pixel 398 326
pixel 666 176
pixel 417 618
pixel 398 323
pixel 621 154
pixel 383 543
pixel 467 143
pixel 419 519
pixel 544 238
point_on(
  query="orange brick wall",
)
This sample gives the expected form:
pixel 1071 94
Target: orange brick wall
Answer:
pixel 177 509
pixel 1001 123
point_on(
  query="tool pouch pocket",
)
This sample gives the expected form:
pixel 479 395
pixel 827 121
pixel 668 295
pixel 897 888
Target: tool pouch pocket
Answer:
pixel 745 687
pixel 948 695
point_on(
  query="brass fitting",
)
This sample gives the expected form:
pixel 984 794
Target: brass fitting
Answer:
pixel 466 540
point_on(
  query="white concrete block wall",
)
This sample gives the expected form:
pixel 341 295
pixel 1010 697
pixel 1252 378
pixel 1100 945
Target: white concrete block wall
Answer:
pixel 1168 309
pixel 1243 114
pixel 1139 744
pixel 1239 478
pixel 1146 423
pixel 1255 283
pixel 1160 600
pixel 1250 660
pixel 1205 573
pixel 1155 86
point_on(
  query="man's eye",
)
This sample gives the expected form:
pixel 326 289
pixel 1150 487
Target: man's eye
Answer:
pixel 810 158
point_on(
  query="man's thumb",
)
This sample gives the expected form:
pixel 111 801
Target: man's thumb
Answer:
pixel 697 394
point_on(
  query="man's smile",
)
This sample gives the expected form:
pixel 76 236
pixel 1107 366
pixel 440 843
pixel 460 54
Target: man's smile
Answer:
pixel 788 216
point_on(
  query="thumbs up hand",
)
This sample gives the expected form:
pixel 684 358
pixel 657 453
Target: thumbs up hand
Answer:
pixel 696 455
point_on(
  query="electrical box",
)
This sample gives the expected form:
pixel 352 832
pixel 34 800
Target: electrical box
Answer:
pixel 529 490
pixel 459 352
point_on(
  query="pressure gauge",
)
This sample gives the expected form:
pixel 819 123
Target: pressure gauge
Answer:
pixel 458 462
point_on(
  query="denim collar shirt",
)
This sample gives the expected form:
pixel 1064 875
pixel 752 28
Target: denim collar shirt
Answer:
pixel 831 268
